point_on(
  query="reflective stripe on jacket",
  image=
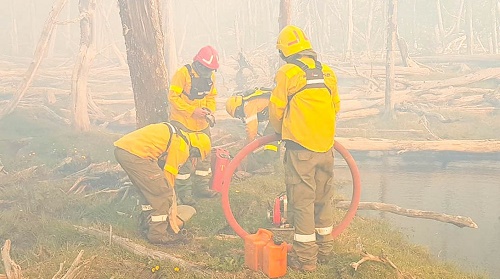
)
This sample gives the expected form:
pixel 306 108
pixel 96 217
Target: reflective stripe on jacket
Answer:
pixel 182 107
pixel 151 141
pixel 308 118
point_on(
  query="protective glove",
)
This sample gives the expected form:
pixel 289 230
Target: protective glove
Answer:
pixel 209 117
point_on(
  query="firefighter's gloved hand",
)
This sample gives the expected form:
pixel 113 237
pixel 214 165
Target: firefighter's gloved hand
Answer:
pixel 209 117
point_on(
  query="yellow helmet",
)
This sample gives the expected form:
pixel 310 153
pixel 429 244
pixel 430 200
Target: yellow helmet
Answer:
pixel 200 144
pixel 232 104
pixel 292 40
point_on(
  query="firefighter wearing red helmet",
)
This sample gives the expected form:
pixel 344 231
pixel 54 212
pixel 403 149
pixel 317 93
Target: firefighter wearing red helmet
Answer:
pixel 303 108
pixel 192 101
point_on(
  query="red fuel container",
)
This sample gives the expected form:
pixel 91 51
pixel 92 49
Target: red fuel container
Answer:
pixel 254 245
pixel 219 160
pixel 274 259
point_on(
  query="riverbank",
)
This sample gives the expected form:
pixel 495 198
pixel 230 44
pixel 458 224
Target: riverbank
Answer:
pixel 39 213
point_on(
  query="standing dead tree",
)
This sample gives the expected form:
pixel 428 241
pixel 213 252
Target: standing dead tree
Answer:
pixel 40 52
pixel 285 13
pixel 494 24
pixel 83 62
pixel 392 9
pixel 170 48
pixel 142 29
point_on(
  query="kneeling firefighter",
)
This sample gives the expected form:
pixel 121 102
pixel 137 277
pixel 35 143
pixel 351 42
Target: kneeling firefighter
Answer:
pixel 151 156
pixel 251 107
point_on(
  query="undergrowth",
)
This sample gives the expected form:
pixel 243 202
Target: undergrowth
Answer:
pixel 40 215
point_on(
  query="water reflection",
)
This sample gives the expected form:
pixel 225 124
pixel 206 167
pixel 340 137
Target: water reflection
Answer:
pixel 455 187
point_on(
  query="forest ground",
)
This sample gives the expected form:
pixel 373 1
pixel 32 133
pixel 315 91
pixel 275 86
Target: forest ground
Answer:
pixel 58 179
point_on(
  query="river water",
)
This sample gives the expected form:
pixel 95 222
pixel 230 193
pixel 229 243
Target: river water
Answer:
pixel 442 184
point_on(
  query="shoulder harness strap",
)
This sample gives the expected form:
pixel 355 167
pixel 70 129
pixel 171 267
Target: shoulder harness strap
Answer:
pixel 173 131
pixel 314 76
pixel 189 70
pixel 256 92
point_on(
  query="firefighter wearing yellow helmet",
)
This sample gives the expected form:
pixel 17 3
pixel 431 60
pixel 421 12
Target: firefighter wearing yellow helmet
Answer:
pixel 151 156
pixel 191 96
pixel 251 107
pixel 303 108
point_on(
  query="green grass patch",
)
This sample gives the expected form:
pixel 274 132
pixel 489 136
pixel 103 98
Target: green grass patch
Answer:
pixel 40 217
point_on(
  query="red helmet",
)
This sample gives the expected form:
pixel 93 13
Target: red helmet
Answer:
pixel 208 57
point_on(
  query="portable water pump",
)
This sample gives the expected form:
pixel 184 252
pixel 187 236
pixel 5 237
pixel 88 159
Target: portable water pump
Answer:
pixel 277 211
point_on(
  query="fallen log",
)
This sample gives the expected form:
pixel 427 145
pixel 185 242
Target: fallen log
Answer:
pixel 421 111
pixel 377 144
pixel 21 175
pixel 360 113
pixel 476 76
pixel 459 221
pixel 12 270
pixel 142 251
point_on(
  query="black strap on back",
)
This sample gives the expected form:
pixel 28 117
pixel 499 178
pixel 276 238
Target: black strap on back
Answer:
pixel 315 73
pixel 173 131
pixel 189 70
pixel 199 86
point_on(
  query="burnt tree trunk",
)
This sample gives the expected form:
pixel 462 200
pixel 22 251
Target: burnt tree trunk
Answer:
pixel 79 90
pixel 170 48
pixel 285 13
pixel 141 22
pixel 469 29
pixel 392 15
pixel 13 33
pixel 440 24
pixel 494 24
pixel 456 26
pixel 350 29
pixel 369 26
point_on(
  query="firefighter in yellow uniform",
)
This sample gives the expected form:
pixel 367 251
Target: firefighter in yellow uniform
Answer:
pixel 303 108
pixel 251 107
pixel 192 101
pixel 151 156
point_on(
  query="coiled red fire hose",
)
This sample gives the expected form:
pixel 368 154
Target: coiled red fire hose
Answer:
pixel 235 162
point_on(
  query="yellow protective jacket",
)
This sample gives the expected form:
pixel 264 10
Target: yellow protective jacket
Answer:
pixel 251 108
pixel 151 141
pixel 306 117
pixel 182 107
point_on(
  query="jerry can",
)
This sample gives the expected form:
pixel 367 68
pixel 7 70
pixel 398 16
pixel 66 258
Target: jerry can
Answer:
pixel 254 245
pixel 274 259
pixel 219 161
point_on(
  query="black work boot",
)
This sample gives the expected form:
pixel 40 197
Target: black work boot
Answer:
pixel 205 192
pixel 184 195
pixel 160 234
pixel 296 265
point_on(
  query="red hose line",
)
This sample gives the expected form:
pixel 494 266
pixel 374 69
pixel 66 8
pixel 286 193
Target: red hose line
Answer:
pixel 235 162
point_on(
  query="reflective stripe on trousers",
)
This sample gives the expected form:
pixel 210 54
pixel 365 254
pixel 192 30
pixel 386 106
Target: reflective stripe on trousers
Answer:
pixel 304 237
pixel 203 172
pixel 324 231
pixel 159 218
pixel 183 176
